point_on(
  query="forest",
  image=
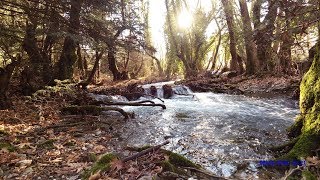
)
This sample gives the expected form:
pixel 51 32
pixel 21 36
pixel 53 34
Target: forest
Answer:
pixel 159 89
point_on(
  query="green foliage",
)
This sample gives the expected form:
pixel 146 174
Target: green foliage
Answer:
pixel 187 46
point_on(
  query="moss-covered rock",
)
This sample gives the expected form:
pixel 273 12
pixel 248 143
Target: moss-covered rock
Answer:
pixel 295 130
pixel 309 119
pixel 103 164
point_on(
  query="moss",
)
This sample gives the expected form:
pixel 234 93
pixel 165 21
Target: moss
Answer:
pixel 92 157
pixel 295 130
pixel 308 175
pixel 305 144
pixel 284 146
pixel 309 139
pixel 8 146
pixel 138 149
pixel 48 144
pixel 179 160
pixel 103 164
pixel 167 166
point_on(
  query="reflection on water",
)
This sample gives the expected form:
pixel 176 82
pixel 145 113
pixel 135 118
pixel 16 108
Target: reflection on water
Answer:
pixel 221 132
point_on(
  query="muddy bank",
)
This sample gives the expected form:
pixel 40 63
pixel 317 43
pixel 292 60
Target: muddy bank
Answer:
pixel 262 86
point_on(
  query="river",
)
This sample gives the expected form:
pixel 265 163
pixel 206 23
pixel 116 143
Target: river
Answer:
pixel 226 134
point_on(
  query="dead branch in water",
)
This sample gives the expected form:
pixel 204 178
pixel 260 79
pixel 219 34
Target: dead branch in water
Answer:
pixel 127 104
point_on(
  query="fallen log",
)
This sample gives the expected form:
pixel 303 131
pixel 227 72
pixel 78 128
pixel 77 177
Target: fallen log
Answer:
pixel 93 110
pixel 146 151
pixel 145 101
pixel 154 97
pixel 127 104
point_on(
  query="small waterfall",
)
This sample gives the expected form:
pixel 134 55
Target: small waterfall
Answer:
pixel 158 89
pixel 182 90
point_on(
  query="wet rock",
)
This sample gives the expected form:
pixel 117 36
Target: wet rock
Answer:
pixel 133 92
pixel 153 91
pixel 167 91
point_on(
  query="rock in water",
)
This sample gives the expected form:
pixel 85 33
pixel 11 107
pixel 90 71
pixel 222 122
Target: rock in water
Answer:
pixel 167 91
pixel 153 91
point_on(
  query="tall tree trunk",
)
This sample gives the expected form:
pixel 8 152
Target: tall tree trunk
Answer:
pixel 38 72
pixel 248 38
pixel 228 10
pixel 215 55
pixel 285 51
pixel 264 34
pixel 80 62
pixel 68 56
pixel 5 76
pixel 117 75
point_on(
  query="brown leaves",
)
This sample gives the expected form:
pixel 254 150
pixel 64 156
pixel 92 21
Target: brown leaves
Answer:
pixel 116 165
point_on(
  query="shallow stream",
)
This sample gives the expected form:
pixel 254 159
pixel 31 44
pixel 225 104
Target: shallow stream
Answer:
pixel 227 134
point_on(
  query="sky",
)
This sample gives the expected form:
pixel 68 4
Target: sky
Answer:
pixel 157 20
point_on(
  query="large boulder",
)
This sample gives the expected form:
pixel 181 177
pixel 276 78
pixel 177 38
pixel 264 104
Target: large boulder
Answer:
pixel 167 91
pixel 153 91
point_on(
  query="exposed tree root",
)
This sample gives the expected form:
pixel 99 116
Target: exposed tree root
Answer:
pixel 139 154
pixel 287 146
pixel 94 110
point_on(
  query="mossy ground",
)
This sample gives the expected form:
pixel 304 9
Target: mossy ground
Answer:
pixel 103 164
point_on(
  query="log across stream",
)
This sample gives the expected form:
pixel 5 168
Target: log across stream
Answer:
pixel 227 134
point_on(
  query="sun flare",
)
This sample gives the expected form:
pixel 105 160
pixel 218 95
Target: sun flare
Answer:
pixel 185 19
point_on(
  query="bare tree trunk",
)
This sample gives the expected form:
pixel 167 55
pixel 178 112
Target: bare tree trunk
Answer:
pixel 264 33
pixel 68 56
pixel 5 76
pixel 285 57
pixel 285 53
pixel 117 75
pixel 80 61
pixel 248 37
pixel 214 60
pixel 228 10
pixel 38 72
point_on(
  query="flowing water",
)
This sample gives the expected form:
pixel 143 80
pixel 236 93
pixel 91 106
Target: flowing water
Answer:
pixel 226 134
